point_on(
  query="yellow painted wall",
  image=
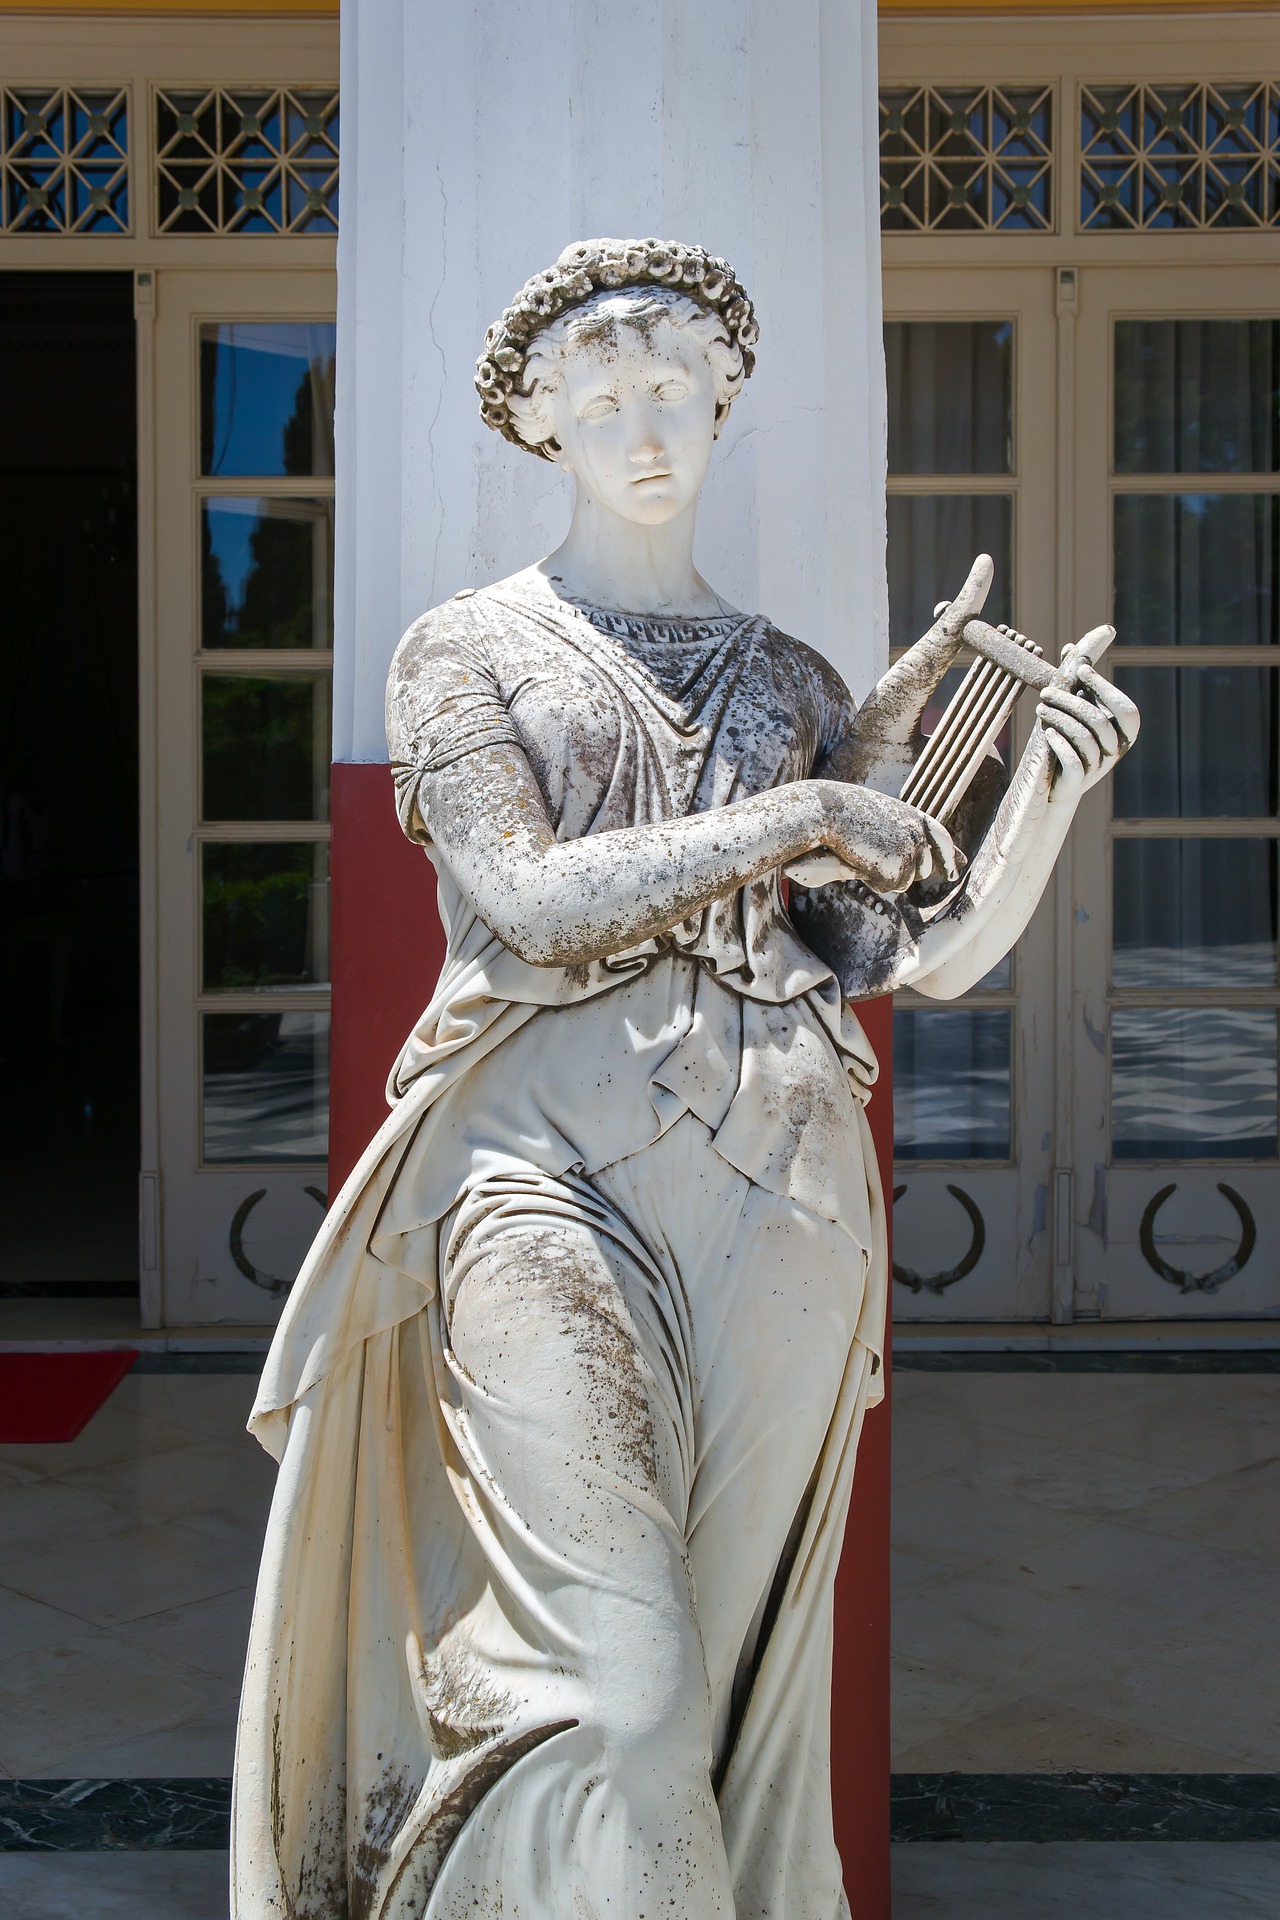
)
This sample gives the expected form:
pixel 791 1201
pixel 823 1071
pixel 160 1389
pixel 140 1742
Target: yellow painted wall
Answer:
pixel 1207 7
pixel 329 7
pixel 125 8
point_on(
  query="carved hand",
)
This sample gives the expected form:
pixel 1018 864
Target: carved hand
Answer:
pixel 877 839
pixel 1086 736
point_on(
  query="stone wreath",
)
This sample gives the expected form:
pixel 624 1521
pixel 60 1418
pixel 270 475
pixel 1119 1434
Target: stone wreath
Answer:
pixel 597 266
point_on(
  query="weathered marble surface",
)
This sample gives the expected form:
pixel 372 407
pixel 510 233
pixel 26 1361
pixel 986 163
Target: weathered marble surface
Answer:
pixel 568 1394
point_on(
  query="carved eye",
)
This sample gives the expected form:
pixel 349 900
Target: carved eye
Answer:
pixel 672 390
pixel 599 408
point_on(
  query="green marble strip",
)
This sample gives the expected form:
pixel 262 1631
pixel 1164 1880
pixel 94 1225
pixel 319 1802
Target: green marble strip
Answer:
pixel 94 1816
pixel 1107 1360
pixel 1086 1806
pixel 79 1816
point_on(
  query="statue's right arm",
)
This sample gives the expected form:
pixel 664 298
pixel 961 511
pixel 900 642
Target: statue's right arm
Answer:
pixel 561 903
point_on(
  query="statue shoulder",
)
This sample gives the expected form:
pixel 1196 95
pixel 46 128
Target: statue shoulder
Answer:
pixel 812 673
pixel 452 632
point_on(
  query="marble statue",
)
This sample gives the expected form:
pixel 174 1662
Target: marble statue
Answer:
pixel 567 1397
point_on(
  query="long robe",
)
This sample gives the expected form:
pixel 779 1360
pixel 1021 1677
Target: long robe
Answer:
pixel 656 1164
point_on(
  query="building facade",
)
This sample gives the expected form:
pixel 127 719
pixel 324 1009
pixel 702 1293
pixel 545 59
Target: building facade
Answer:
pixel 1079 222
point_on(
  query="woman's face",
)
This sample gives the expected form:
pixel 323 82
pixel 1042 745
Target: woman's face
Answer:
pixel 635 416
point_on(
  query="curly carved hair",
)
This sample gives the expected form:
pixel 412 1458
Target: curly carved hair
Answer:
pixel 519 367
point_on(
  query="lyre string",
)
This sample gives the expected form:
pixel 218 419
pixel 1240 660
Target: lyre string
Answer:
pixel 955 749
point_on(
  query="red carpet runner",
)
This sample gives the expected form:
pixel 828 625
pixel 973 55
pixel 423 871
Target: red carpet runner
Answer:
pixel 53 1396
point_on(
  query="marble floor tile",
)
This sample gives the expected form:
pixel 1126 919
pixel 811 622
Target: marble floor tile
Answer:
pixel 113 1886
pixel 1049 1406
pixel 1035 1735
pixel 936 1439
pixel 1074 1477
pixel 27 1625
pixel 210 1636
pixel 119 1431
pixel 1195 1430
pixel 1222 1697
pixel 1111 1554
pixel 37 1511
pixel 1103 1880
pixel 1101 1613
pixel 240 1526
pixel 985 1627
pixel 215 1405
pixel 925 1698
pixel 127 1575
pixel 89 1691
pixel 1239 1511
pixel 201 1748
pixel 939 1519
pixel 211 1473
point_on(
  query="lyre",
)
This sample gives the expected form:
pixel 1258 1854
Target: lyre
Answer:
pixel 972 719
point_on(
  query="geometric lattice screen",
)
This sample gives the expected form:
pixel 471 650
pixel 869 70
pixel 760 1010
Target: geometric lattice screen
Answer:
pixel 1159 157
pixel 247 160
pixel 973 159
pixel 64 160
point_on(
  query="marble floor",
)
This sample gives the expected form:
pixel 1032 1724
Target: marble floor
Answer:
pixel 1103 1880
pixel 1087 1575
pixel 127 1560
pixel 1086 1572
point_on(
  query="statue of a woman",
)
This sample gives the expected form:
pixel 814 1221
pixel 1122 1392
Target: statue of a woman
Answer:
pixel 567 1397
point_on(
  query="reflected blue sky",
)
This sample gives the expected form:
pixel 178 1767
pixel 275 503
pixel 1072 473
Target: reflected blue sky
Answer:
pixel 266 393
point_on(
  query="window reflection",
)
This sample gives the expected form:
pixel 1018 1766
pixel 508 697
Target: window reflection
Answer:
pixel 1194 913
pixel 266 573
pixel 933 538
pixel 950 396
pixel 265 744
pixel 266 397
pixel 1197 396
pixel 1208 746
pixel 1193 1083
pixel 951 1084
pixel 266 1087
pixel 265 915
pixel 1196 569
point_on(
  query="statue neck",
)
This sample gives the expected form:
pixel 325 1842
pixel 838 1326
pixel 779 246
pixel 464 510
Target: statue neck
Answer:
pixel 613 563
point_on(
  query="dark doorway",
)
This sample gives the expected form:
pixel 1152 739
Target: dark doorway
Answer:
pixel 69 1069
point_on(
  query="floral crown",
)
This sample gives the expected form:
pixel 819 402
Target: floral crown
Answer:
pixel 597 266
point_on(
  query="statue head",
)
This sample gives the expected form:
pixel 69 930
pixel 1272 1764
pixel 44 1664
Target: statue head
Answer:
pixel 621 364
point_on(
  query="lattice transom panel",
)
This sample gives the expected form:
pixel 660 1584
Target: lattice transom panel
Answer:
pixel 247 160
pixel 972 159
pixel 64 160
pixel 1180 156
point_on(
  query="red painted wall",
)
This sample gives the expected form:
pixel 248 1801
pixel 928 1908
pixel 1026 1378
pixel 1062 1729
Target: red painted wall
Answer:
pixel 381 983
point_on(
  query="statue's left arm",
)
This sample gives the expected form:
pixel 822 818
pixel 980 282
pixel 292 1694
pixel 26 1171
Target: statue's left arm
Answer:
pixel 875 945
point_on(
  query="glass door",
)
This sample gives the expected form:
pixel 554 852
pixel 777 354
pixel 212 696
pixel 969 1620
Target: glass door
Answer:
pixel 243 578
pixel 1177 991
pixel 971 470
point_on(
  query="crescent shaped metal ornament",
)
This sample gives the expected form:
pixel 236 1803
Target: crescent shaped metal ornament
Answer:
pixel 1178 1276
pixel 269 1282
pixel 939 1282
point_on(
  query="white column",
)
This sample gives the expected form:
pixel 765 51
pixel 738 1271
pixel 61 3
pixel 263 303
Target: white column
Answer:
pixel 480 139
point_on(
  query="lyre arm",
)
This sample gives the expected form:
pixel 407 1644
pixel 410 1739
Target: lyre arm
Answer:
pixel 967 730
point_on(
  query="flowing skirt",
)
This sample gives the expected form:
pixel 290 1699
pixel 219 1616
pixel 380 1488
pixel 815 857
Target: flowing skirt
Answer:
pixel 545 1618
